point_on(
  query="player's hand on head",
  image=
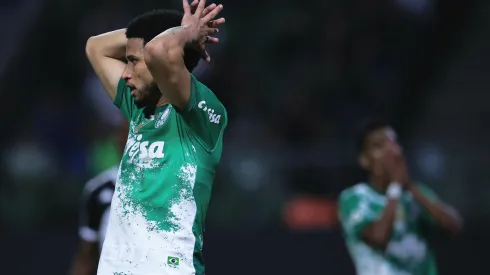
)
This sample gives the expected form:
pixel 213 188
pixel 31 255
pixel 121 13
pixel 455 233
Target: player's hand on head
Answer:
pixel 200 19
pixel 201 22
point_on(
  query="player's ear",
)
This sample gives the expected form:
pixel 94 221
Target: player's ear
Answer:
pixel 363 161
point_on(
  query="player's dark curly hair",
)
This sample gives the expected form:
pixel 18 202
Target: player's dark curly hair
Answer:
pixel 367 128
pixel 152 23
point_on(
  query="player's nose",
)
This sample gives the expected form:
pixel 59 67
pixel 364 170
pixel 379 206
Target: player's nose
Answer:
pixel 126 75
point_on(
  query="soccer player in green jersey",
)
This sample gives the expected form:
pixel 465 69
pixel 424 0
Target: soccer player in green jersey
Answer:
pixel 174 145
pixel 386 219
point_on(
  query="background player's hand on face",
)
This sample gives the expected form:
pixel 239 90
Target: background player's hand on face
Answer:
pixel 397 168
pixel 199 21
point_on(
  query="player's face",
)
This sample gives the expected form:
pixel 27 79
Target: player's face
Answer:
pixel 379 144
pixel 138 77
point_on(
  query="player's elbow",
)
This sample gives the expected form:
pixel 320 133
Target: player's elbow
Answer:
pixel 91 47
pixel 455 225
pixel 453 222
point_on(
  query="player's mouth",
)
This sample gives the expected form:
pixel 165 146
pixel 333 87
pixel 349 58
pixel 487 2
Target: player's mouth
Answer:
pixel 133 90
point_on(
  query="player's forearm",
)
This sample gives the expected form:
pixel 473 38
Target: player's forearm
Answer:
pixel 85 262
pixel 83 265
pixel 111 44
pixel 445 216
pixel 177 37
pixel 167 48
pixel 378 234
pixel 164 57
pixel 82 269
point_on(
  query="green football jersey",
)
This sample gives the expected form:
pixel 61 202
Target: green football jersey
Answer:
pixel 164 186
pixel 407 252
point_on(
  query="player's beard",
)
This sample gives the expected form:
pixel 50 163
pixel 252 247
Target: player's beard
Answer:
pixel 149 96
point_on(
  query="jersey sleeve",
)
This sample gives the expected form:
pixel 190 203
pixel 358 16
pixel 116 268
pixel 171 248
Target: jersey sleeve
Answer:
pixel 204 115
pixel 355 214
pixel 90 216
pixel 123 100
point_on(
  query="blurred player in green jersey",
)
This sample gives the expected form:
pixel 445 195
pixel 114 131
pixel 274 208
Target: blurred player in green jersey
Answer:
pixel 386 219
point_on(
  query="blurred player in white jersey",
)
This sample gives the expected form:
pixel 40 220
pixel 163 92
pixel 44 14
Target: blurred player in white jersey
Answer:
pixel 94 216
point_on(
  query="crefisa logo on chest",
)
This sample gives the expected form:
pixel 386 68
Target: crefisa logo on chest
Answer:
pixel 143 150
pixel 136 148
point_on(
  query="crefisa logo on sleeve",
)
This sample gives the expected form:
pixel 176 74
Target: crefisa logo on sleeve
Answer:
pixel 213 118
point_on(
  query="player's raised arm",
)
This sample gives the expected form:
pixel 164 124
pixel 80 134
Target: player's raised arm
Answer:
pixel 106 53
pixel 378 233
pixel 444 215
pixel 359 220
pixel 164 55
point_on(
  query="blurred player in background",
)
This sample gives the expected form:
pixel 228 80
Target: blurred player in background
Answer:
pixel 97 196
pixel 174 143
pixel 386 219
pixel 94 215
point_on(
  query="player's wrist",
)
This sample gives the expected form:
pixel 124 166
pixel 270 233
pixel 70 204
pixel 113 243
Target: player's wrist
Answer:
pixel 394 190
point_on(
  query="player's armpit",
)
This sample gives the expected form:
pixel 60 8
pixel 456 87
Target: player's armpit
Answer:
pixel 204 114
pixel 106 53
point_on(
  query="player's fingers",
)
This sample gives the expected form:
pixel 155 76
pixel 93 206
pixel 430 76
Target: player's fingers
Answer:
pixel 204 53
pixel 210 31
pixel 200 8
pixel 202 42
pixel 212 40
pixel 207 57
pixel 194 6
pixel 185 4
pixel 215 23
pixel 205 30
pixel 208 9
pixel 213 13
